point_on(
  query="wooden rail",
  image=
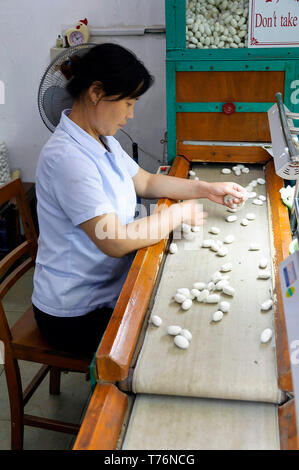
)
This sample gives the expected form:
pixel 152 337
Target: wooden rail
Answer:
pixel 281 233
pixel 103 420
pixel 223 153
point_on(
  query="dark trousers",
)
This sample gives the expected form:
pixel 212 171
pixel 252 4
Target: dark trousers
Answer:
pixel 74 334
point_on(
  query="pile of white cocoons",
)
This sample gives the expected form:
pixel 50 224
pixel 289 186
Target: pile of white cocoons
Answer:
pixel 4 164
pixel 216 24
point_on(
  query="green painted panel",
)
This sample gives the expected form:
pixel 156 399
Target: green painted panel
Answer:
pixel 234 54
pixel 171 111
pixel 217 107
pixel 230 66
pixel 171 23
pixel 294 84
pixel 180 24
pixel 289 78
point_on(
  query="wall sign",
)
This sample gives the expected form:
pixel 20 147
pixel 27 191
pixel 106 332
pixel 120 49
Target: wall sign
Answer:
pixel 273 23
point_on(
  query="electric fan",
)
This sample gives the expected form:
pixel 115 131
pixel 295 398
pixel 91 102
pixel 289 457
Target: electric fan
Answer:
pixel 53 96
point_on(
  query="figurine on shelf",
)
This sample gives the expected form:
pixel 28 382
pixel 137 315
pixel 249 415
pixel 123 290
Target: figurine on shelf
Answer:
pixel 59 41
pixel 79 34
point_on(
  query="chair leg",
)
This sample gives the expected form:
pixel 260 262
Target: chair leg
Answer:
pixel 14 385
pixel 55 375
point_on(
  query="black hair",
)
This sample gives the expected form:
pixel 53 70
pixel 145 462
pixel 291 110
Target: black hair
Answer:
pixel 118 69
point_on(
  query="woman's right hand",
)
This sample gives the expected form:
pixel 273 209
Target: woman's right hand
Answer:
pixel 192 213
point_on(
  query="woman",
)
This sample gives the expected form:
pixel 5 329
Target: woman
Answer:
pixel 86 190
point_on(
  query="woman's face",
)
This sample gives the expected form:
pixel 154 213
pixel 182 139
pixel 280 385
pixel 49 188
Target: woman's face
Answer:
pixel 110 115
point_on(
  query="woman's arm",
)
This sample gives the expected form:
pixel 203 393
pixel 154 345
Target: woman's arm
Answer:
pixel 153 186
pixel 118 240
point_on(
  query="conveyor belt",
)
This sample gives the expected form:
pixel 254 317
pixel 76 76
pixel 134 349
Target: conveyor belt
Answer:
pixel 225 360
pixel 164 422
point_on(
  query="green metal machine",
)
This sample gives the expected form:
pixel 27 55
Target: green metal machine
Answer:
pixel 179 59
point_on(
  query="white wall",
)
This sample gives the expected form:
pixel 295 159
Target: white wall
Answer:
pixel 28 29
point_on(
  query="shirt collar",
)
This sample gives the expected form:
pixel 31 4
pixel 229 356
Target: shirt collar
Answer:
pixel 78 134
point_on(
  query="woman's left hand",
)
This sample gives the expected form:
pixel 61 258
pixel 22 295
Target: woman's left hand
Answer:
pixel 217 191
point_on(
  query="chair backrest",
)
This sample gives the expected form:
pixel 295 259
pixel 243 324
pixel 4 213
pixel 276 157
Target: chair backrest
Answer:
pixel 21 258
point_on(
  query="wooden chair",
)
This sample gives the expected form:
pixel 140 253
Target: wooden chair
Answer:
pixel 24 341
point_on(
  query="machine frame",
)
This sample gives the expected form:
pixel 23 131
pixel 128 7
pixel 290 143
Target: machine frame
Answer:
pixel 116 350
pixel 113 361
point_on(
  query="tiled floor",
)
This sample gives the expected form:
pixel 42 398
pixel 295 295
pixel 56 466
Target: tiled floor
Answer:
pixel 68 406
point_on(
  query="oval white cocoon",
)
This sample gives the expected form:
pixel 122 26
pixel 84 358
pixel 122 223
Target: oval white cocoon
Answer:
pixel 227 198
pixel 217 276
pixel 214 230
pixel 231 218
pixel 155 320
pixel 184 290
pixel 221 284
pixel 213 299
pixel 228 290
pixel 266 335
pixel 186 228
pixel 173 248
pixel 187 304
pixel 264 274
pixel 179 298
pixel 263 263
pixel 199 285
pixel 229 239
pixel 204 294
pixel 174 330
pixel 195 292
pixel 261 181
pixel 211 286
pixel 222 251
pixel 187 334
pixel 257 202
pixel 226 267
pixel 181 342
pixel 207 243
pixel 214 247
pixel 267 304
pixel 217 316
pixel 224 306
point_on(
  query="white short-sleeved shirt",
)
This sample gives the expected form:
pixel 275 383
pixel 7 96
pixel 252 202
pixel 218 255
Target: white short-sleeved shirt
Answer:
pixel 77 179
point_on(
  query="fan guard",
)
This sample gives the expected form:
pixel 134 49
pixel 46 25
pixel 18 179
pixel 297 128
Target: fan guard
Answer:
pixel 53 97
